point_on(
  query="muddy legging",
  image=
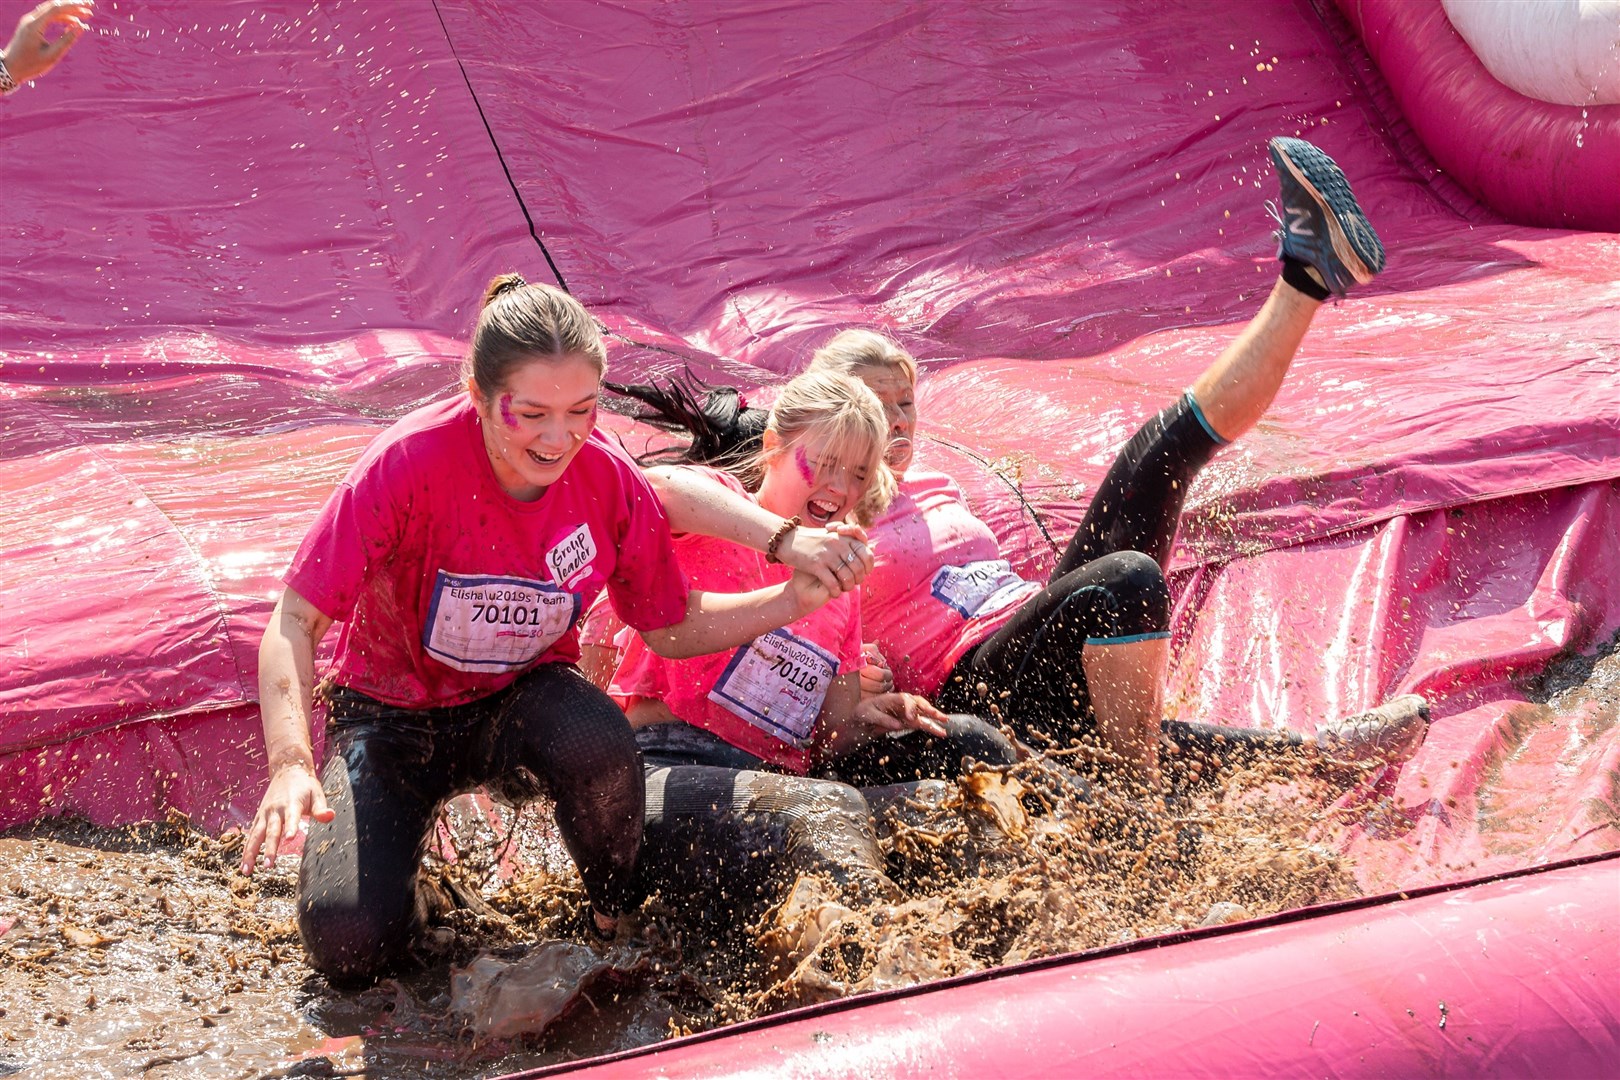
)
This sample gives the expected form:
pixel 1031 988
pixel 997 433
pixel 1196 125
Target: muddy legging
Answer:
pixel 390 769
pixel 724 832
pixel 1108 588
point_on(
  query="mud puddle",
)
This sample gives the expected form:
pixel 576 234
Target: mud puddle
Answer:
pixel 141 952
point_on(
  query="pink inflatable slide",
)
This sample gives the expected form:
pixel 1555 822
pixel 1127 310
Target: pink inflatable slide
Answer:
pixel 244 236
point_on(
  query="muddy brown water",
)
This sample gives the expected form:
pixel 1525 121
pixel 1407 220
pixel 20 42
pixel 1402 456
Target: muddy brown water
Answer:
pixel 141 951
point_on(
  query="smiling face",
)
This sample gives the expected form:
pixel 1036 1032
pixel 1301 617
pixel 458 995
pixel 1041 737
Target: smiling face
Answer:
pixel 810 478
pixel 899 397
pixel 537 421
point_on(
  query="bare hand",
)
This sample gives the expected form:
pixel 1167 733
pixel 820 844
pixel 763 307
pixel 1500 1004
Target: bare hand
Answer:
pixel 30 55
pixel 901 712
pixel 294 794
pixel 808 592
pixel 836 556
pixel 876 676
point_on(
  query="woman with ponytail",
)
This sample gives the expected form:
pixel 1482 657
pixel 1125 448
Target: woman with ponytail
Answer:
pixel 458 554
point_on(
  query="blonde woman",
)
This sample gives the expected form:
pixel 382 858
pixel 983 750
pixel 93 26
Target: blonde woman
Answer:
pixel 740 745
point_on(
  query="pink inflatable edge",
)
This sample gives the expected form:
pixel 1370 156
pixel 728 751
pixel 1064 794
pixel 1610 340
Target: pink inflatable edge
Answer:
pixel 1512 976
pixel 1533 162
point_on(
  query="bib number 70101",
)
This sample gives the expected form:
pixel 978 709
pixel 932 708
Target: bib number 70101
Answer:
pixel 492 624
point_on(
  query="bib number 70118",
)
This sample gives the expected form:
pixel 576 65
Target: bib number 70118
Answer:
pixel 777 683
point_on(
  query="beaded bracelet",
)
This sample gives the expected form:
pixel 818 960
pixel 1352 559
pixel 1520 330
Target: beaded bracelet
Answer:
pixel 779 535
pixel 7 83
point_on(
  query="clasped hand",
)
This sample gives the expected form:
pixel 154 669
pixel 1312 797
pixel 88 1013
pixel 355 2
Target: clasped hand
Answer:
pixel 837 557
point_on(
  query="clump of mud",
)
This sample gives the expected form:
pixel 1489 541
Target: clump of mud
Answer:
pixel 141 951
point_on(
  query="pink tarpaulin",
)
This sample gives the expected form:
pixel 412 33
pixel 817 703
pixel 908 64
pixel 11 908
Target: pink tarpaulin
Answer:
pixel 244 236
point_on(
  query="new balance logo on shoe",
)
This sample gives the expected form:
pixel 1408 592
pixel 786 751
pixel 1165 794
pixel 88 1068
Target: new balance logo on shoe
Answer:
pixel 1322 226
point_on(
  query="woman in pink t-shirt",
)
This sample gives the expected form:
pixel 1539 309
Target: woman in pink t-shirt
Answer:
pixel 742 746
pixel 458 554
pixel 1085 651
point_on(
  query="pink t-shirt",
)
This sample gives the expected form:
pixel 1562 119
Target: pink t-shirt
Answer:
pixel 602 627
pixel 939 585
pixel 449 589
pixel 766 696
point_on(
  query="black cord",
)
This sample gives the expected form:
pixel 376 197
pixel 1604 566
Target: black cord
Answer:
pixel 556 273
pixel 1029 508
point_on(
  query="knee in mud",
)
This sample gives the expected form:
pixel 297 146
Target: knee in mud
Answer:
pixel 838 800
pixel 832 832
pixel 974 737
pixel 352 943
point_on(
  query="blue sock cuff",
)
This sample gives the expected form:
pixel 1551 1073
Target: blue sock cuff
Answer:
pixel 1128 638
pixel 1192 403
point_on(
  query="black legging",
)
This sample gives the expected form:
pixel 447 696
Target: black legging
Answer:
pixel 1108 588
pixel 390 769
pixel 724 830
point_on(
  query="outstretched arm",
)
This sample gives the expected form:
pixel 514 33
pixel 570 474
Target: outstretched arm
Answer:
pixel 286 696
pixel 716 621
pixel 30 55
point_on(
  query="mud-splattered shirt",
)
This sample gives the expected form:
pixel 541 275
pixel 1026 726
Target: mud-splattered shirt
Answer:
pixel 939 585
pixel 766 696
pixel 448 588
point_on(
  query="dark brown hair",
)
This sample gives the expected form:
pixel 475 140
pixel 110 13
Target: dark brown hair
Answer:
pixel 521 322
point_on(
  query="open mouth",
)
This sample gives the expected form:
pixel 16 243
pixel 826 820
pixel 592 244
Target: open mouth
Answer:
pixel 821 510
pixel 544 459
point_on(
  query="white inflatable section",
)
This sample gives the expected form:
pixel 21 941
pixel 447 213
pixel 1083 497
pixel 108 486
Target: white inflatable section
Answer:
pixel 1566 52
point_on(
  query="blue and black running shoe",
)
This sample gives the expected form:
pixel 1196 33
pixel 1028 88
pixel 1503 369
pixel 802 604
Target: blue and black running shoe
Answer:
pixel 1321 224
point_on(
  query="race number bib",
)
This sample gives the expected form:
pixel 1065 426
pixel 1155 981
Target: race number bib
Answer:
pixel 494 624
pixel 777 682
pixel 981 588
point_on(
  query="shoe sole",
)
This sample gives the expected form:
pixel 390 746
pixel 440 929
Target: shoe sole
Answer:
pixel 1343 247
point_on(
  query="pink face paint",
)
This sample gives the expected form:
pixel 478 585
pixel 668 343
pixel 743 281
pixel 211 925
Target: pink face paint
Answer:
pixel 507 417
pixel 802 460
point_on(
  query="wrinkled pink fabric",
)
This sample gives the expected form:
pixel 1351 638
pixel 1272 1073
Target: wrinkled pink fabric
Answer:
pixel 247 236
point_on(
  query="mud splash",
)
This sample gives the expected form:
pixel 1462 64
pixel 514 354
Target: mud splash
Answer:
pixel 141 951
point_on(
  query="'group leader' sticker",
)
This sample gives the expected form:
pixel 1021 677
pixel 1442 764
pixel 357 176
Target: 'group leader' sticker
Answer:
pixel 572 554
